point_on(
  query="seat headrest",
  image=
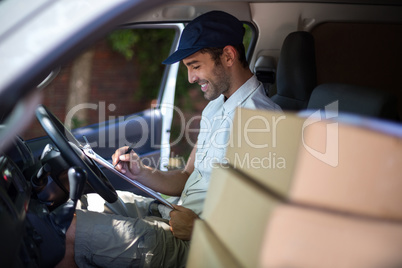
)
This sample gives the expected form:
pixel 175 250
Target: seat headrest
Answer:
pixel 265 64
pixel 296 73
pixel 265 70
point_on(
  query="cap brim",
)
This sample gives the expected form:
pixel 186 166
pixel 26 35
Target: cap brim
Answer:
pixel 180 54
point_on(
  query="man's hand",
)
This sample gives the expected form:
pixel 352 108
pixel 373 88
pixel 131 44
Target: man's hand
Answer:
pixel 130 163
pixel 182 222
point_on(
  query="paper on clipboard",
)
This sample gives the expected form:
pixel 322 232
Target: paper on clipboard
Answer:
pixel 91 154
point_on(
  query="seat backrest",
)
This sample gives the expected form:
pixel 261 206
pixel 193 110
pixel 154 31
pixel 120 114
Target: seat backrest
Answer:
pixel 356 100
pixel 296 74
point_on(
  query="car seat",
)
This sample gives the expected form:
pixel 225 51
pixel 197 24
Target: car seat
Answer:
pixel 356 100
pixel 296 74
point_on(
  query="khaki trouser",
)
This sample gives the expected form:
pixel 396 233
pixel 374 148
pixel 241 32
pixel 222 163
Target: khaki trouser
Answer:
pixel 125 234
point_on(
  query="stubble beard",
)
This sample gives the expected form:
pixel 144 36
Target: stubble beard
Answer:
pixel 220 86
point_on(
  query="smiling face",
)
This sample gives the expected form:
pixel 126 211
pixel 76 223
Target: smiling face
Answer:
pixel 213 78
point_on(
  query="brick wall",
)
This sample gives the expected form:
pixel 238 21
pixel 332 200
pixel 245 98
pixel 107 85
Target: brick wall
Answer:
pixel 113 81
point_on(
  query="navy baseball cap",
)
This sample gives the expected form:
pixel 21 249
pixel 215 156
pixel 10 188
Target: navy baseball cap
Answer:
pixel 212 29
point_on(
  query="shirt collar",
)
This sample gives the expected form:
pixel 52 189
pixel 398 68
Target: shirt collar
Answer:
pixel 240 95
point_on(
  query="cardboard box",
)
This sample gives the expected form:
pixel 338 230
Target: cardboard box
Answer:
pixel 367 179
pixel 300 237
pixel 207 250
pixel 304 192
pixel 264 145
pixel 322 163
pixel 237 211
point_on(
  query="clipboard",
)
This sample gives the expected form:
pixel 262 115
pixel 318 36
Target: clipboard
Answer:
pixel 99 159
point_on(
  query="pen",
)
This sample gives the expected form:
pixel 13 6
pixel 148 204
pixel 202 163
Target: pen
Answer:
pixel 129 150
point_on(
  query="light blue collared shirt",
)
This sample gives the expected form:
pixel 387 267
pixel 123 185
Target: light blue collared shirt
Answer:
pixel 213 138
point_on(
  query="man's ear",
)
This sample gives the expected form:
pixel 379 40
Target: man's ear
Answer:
pixel 229 55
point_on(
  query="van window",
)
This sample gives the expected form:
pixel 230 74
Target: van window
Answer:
pixel 119 75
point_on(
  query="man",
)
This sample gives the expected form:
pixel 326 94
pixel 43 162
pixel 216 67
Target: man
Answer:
pixel 211 47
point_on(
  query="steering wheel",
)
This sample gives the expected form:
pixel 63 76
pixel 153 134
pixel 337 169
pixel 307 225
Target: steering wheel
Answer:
pixel 69 148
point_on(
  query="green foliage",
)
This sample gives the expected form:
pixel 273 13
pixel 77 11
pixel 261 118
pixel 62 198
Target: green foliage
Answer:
pixel 76 123
pixel 147 48
pixel 123 42
pixel 247 36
